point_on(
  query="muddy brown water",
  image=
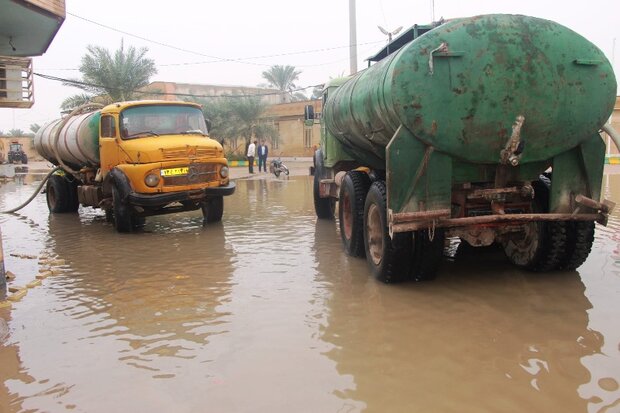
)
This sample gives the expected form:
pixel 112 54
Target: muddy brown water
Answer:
pixel 265 313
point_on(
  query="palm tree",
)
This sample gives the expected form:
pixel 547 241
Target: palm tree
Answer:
pixel 17 132
pixel 34 127
pixel 283 78
pixel 112 77
pixel 234 117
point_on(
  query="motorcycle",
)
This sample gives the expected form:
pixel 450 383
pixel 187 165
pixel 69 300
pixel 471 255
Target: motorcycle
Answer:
pixel 277 167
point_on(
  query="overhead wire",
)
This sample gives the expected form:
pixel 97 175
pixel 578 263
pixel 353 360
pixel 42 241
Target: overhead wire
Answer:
pixel 79 83
pixel 217 59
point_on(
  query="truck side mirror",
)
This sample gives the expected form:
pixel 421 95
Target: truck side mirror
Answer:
pixel 208 123
pixel 309 112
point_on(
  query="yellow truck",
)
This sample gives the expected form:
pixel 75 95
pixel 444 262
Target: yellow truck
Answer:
pixel 134 160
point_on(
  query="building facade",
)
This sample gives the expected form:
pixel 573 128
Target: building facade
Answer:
pixel 185 91
pixel 295 138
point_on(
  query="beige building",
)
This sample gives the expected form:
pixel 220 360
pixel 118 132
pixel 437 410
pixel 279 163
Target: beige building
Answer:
pixel 295 137
pixel 27 146
pixel 184 91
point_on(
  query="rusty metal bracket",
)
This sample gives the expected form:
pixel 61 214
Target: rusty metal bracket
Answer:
pixel 511 154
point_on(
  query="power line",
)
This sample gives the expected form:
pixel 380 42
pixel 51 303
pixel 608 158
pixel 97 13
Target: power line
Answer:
pixel 78 83
pixel 217 59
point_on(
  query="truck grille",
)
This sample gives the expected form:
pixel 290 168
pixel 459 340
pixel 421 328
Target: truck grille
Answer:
pixel 189 151
pixel 198 173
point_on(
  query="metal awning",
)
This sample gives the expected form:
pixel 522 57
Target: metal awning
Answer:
pixel 27 27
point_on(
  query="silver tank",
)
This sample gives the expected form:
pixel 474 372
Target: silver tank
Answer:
pixel 78 143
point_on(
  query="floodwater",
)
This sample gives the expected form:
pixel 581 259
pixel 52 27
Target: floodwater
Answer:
pixel 265 313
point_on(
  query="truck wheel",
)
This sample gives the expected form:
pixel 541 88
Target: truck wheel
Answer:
pixel 122 214
pixel 59 195
pixel 24 159
pixel 324 207
pixel 541 246
pixel 351 211
pixel 579 240
pixel 389 259
pixel 427 254
pixel 213 209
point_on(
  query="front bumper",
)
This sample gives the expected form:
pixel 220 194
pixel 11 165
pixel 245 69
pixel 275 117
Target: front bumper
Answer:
pixel 157 200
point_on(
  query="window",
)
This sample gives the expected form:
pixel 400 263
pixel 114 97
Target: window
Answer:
pixel 307 137
pixel 3 93
pixel 108 127
pixel 154 120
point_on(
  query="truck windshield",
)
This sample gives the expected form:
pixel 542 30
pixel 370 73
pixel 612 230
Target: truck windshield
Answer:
pixel 156 120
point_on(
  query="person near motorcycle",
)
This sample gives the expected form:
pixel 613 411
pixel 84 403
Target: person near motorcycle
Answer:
pixel 262 152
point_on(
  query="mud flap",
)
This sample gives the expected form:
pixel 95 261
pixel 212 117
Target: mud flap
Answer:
pixel 418 177
pixel 575 172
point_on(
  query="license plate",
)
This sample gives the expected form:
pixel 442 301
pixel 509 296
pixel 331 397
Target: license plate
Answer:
pixel 174 171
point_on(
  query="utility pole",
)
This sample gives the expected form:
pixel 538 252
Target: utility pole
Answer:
pixel 352 38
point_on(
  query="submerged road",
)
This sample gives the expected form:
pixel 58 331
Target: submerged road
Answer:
pixel 265 313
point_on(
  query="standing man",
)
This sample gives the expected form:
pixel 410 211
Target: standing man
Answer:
pixel 263 151
pixel 251 154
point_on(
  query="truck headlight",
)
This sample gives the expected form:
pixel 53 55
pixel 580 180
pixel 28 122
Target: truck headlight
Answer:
pixel 151 180
pixel 224 172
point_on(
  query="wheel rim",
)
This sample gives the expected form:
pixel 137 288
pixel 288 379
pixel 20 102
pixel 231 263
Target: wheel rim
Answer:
pixel 374 231
pixel 347 216
pixel 521 248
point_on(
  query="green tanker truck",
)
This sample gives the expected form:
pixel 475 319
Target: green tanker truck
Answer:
pixel 483 128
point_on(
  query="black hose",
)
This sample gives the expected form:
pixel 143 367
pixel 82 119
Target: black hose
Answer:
pixel 10 211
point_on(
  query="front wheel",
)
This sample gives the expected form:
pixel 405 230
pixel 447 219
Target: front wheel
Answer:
pixel 276 172
pixel 389 259
pixel 213 209
pixel 324 207
pixel 122 212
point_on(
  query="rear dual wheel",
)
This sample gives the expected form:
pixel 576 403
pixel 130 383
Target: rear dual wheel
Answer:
pixel 549 245
pixel 61 193
pixel 351 211
pixel 385 256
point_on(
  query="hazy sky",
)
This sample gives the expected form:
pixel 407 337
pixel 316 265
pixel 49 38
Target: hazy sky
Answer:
pixel 310 35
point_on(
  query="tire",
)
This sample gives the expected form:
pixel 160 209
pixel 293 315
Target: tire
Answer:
pixel 389 260
pixel 61 195
pixel 276 172
pixel 351 212
pixel 122 215
pixel 324 207
pixel 24 159
pixel 579 240
pixel 427 254
pixel 213 209
pixel 541 246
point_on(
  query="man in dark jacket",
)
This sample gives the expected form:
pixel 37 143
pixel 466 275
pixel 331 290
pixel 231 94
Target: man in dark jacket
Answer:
pixel 262 151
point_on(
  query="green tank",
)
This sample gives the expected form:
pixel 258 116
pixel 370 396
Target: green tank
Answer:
pixel 483 128
pixel 461 86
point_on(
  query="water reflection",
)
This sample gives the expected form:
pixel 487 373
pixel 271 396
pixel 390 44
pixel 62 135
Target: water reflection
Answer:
pixel 264 312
